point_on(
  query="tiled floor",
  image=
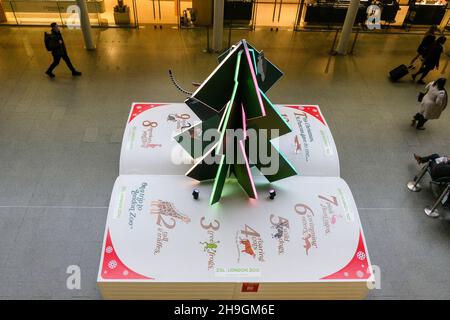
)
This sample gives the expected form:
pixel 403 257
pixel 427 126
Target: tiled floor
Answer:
pixel 60 143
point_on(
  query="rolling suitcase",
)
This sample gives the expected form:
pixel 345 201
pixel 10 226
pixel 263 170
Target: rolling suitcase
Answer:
pixel 398 73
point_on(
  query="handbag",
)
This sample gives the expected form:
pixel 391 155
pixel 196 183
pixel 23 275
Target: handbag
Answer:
pixel 420 96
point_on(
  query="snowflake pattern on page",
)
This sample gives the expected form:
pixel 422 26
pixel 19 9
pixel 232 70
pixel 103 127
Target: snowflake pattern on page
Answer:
pixel 138 108
pixel 113 267
pixel 311 110
pixel 358 268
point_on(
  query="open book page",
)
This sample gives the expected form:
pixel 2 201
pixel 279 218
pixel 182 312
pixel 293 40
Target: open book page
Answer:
pixel 148 145
pixel 156 232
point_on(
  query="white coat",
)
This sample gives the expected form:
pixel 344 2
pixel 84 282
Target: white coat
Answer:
pixel 433 103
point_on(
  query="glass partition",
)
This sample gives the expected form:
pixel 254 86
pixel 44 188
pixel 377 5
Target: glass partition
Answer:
pixel 31 12
pixel 69 12
pixel 44 12
pixel 276 13
pixel 159 12
pixel 119 13
pixel 106 12
pixel 239 13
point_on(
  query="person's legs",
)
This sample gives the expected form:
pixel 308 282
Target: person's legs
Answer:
pixel 415 119
pixel 68 62
pixel 70 66
pixel 421 122
pixel 421 69
pixel 56 60
pixel 426 70
pixel 433 156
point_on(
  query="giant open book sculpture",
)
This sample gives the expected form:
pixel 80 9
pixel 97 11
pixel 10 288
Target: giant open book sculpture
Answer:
pixel 231 241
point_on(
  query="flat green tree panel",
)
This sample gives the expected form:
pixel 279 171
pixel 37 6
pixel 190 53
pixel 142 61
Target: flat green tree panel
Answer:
pixel 216 90
pixel 244 176
pixel 193 139
pixel 267 73
pixel 205 168
pixel 201 110
pixel 279 169
pixel 248 91
pixel 219 181
pixel 272 120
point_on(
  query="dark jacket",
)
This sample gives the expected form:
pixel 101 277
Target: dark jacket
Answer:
pixel 441 170
pixel 425 45
pixel 433 56
pixel 57 42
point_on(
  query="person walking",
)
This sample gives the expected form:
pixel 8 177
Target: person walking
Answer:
pixel 432 105
pixel 424 46
pixel 431 59
pixel 59 51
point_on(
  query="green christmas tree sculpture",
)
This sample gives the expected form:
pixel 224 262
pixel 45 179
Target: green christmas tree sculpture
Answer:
pixel 231 102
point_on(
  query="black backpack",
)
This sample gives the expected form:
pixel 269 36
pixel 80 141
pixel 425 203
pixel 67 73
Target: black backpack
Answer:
pixel 49 42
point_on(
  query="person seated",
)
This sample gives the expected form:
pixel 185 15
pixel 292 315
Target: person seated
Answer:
pixel 433 157
pixel 439 166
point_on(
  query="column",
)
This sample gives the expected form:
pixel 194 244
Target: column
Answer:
pixel 218 25
pixel 2 13
pixel 445 20
pixel 350 18
pixel 85 25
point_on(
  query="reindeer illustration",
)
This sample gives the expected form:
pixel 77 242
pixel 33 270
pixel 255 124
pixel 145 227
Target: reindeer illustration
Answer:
pixel 247 247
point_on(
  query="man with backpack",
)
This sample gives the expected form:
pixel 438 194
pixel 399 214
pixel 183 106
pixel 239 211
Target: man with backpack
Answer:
pixel 54 42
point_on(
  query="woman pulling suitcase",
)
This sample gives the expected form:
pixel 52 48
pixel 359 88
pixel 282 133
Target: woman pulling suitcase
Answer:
pixel 425 45
pixel 431 59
